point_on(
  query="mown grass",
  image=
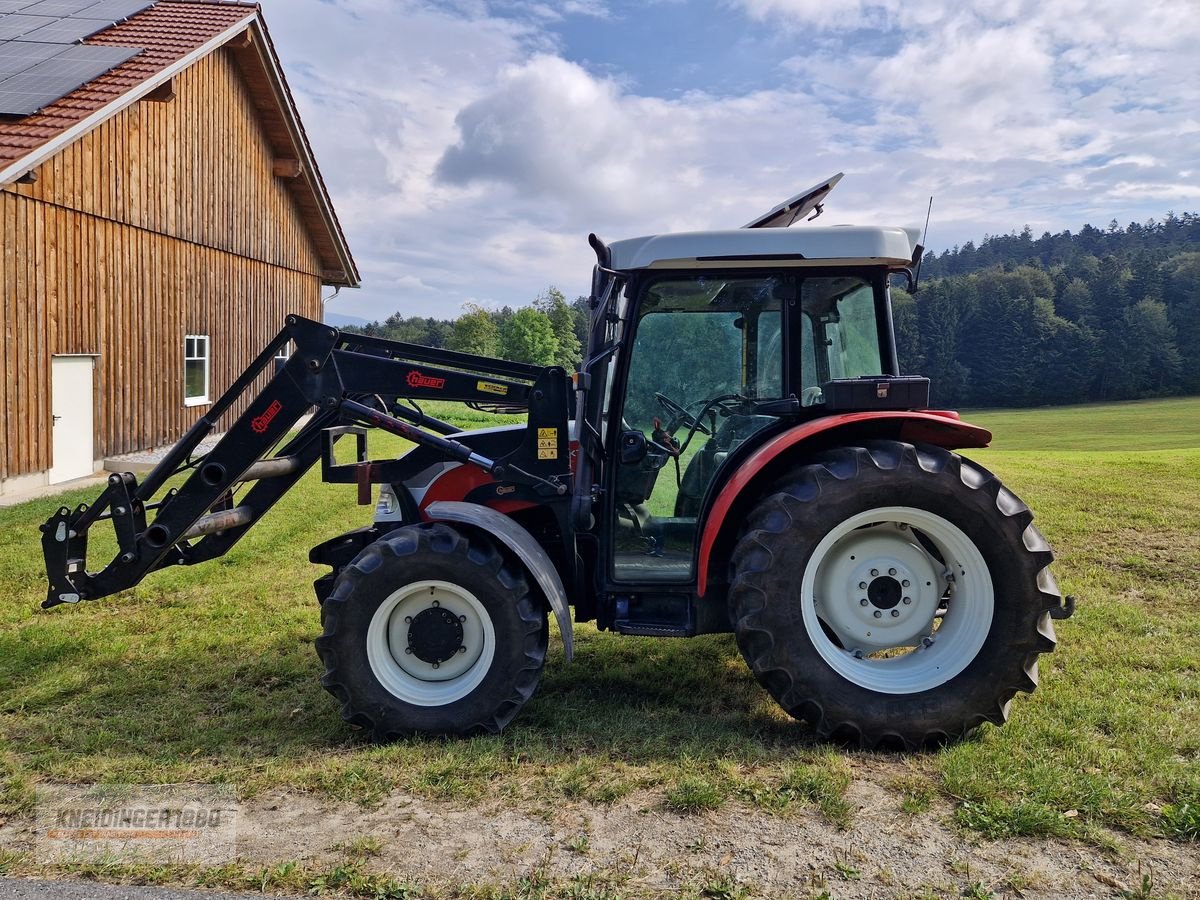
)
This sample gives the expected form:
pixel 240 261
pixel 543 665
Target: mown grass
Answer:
pixel 209 674
pixel 1113 733
pixel 1169 424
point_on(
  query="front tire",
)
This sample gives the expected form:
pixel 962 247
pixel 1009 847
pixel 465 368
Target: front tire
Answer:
pixel 893 595
pixel 429 631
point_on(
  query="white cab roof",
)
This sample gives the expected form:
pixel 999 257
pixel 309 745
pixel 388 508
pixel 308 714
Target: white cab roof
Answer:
pixel 746 247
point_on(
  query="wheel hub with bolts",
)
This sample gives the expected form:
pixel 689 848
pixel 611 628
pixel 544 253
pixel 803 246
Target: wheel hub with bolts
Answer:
pixel 435 634
pixel 430 643
pixel 850 590
pixel 877 588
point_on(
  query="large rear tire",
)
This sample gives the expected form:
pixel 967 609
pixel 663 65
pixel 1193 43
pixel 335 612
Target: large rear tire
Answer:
pixel 429 631
pixel 893 595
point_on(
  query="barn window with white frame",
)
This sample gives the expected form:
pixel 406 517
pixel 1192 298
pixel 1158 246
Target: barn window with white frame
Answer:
pixel 195 369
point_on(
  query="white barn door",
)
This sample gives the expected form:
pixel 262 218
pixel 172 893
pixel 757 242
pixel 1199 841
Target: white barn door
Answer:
pixel 71 401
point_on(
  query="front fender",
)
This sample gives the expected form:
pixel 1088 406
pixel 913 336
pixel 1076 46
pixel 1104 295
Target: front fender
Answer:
pixel 523 545
pixel 941 428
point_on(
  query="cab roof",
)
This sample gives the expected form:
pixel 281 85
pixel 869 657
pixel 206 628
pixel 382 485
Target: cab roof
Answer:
pixel 845 245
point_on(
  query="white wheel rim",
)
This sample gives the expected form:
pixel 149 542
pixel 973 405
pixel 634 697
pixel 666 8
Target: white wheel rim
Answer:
pixel 402 672
pixel 873 584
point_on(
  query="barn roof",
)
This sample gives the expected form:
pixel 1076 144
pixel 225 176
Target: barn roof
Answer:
pixel 174 34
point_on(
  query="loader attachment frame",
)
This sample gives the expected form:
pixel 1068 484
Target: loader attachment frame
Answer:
pixel 347 380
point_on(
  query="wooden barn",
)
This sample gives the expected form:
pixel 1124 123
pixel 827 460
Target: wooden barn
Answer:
pixel 160 213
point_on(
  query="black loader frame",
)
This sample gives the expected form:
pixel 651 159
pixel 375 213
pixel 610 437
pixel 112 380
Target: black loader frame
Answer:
pixel 347 381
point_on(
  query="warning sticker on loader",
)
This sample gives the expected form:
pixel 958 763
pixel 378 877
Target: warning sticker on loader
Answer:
pixel 490 387
pixel 547 443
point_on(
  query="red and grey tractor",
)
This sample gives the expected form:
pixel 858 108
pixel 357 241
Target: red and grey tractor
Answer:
pixel 737 453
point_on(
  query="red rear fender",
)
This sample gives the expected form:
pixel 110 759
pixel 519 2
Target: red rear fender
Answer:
pixel 941 428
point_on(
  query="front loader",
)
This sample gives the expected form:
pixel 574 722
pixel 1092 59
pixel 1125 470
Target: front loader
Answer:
pixel 738 452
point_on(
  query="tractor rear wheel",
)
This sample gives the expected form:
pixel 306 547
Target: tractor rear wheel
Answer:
pixel 893 595
pixel 429 631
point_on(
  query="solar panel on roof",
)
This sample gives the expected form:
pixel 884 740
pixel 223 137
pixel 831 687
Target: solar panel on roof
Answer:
pixel 48 61
pixel 98 53
pixel 56 7
pixel 41 85
pixel 66 31
pixel 17 25
pixel 17 56
pixel 114 56
pixel 115 10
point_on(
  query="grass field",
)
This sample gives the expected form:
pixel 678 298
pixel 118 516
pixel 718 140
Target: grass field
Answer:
pixel 209 674
pixel 1172 424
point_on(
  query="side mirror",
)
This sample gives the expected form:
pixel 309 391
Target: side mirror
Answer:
pixel 633 447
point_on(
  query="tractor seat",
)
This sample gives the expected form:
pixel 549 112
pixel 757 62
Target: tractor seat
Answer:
pixel 635 483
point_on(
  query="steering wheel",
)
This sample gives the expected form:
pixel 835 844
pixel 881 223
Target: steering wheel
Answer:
pixel 680 416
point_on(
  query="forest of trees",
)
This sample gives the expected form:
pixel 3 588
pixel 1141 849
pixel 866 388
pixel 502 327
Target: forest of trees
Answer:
pixel 1064 318
pixel 1109 314
pixel 549 332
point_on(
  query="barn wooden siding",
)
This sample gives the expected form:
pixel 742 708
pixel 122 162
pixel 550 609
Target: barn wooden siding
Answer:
pixel 165 220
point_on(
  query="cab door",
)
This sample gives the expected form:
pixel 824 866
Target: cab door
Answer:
pixel 706 348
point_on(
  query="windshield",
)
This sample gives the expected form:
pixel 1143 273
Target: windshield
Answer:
pixel 700 338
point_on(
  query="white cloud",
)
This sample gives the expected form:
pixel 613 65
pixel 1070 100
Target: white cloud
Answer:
pixel 589 8
pixel 1138 190
pixel 979 96
pixel 1039 111
pixel 556 11
pixel 823 13
pixel 576 151
pixel 1142 161
pixel 468 157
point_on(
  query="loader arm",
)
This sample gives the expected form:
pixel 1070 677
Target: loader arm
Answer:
pixel 347 380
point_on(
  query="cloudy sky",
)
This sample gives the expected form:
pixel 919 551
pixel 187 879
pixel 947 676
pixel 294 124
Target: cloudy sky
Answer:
pixel 471 146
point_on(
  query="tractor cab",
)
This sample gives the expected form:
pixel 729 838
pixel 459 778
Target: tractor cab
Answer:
pixel 708 344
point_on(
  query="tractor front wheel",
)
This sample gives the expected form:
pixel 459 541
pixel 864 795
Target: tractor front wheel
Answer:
pixel 893 595
pixel 429 631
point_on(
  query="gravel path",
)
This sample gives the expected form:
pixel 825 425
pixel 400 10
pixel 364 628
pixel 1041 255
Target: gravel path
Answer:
pixel 36 889
pixel 651 851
